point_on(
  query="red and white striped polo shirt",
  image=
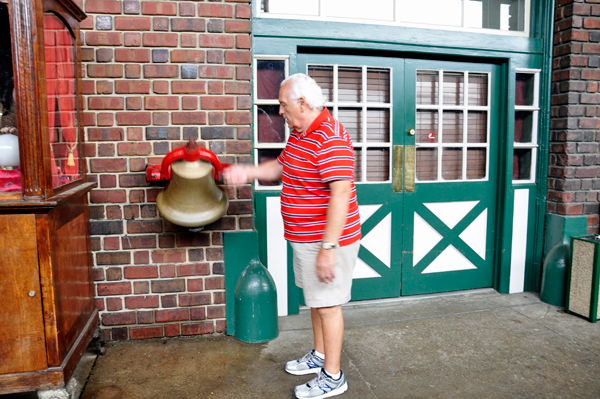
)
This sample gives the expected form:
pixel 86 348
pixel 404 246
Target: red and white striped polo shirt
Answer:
pixel 311 160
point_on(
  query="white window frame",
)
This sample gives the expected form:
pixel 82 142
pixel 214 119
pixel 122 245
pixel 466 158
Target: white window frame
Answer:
pixel 363 145
pixel 397 19
pixel 262 102
pixel 465 108
pixel 535 109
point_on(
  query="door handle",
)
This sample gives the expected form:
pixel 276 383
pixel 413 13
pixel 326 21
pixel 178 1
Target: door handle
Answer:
pixel 409 170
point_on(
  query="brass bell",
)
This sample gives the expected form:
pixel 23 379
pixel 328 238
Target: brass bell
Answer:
pixel 192 198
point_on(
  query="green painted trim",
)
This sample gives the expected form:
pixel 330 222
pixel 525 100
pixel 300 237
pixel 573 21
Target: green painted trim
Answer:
pixel 595 282
pixel 569 274
pixel 236 262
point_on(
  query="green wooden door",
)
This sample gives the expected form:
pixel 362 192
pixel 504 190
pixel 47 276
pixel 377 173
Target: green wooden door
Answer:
pixel 450 207
pixel 425 199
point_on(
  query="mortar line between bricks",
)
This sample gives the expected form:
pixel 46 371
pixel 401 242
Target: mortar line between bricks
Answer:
pixel 359 373
pixel 425 317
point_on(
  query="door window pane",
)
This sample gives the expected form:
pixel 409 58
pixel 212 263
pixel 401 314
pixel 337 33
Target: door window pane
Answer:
pixel 427 87
pixel 427 122
pixel 265 156
pixel 378 125
pixel 524 89
pixel 269 75
pixel 522 164
pixel 476 163
pixel 453 88
pixel 323 75
pixel 452 163
pixel 357 164
pixel 351 118
pixel 523 126
pixel 378 164
pixel 271 125
pixel 426 164
pixel 496 14
pixel 452 130
pixel 349 84
pixel 478 89
pixel 477 127
pixel 378 85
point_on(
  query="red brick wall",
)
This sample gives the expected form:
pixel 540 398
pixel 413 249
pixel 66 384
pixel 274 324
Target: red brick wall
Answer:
pixel 156 73
pixel 574 170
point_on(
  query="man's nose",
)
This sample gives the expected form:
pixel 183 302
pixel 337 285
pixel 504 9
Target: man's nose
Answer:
pixel 281 110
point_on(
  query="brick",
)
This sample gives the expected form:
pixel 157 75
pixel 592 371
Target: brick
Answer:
pixel 216 72
pixel 132 39
pixel 194 284
pixel 243 11
pixel 133 23
pixel 243 42
pixel 217 41
pixel 188 118
pixel 131 7
pixel 108 165
pixel 198 313
pixel 104 71
pixel 114 289
pixel 108 103
pixel 145 332
pixel 215 26
pixel 159 8
pixel 172 315
pixel 214 283
pixel 217 102
pixel 103 38
pixel 168 256
pixel 215 10
pixel 134 118
pixel 238 57
pixel 194 269
pixel 163 133
pixel 189 103
pixel 159 39
pixel 116 319
pixel 197 328
pixel 145 317
pixel 161 71
pixel 237 26
pixel 141 287
pixel 103 6
pixel 216 118
pixel 190 56
pixel 141 272
pixel 238 88
pixel 188 25
pixel 194 299
pixel 168 286
pixel 161 102
pixel 113 273
pixel 143 226
pixel 172 330
pixel 188 40
pixel 141 302
pixel 187 9
pixel 105 134
pixel 238 118
pixel 161 24
pixel 217 132
pixel 215 312
pixel 108 196
pixel 132 55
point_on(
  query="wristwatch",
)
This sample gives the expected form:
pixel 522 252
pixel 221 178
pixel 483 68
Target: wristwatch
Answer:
pixel 328 245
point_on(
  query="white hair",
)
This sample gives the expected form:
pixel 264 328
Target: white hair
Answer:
pixel 302 85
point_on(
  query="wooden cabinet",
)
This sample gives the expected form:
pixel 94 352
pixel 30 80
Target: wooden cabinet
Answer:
pixel 47 317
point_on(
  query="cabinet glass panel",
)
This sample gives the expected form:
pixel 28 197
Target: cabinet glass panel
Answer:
pixel 452 129
pixel 477 127
pixel 10 172
pixel 476 163
pixel 524 92
pixel 426 164
pixel 271 125
pixel 59 51
pixel 478 89
pixel 378 125
pixel 323 75
pixel 378 162
pixel 452 163
pixel 269 76
pixel 508 15
pixel 351 118
pixel 378 85
pixel 427 87
pixel 453 88
pixel 427 122
pixel 522 163
pixel 265 156
pixel 523 126
pixel 350 84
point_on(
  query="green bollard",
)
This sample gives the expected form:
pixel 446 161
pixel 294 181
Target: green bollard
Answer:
pixel 256 305
pixel 554 276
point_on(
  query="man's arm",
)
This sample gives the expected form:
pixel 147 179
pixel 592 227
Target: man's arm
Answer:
pixel 337 214
pixel 243 173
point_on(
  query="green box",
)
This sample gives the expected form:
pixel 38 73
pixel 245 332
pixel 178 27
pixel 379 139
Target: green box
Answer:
pixel 584 277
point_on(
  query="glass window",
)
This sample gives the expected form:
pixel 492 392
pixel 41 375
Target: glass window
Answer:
pixel 270 130
pixel 526 125
pixel 452 136
pixel 492 16
pixel 59 52
pixel 360 98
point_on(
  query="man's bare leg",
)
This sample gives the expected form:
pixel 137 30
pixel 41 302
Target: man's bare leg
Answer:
pixel 328 330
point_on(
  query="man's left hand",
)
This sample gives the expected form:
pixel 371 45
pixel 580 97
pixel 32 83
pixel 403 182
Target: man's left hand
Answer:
pixel 326 265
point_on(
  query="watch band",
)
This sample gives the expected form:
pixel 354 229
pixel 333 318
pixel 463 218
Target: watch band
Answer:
pixel 328 245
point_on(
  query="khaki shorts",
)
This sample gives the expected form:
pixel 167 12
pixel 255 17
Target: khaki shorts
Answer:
pixel 317 294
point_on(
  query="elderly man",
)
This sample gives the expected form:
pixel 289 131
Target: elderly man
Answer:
pixel 322 223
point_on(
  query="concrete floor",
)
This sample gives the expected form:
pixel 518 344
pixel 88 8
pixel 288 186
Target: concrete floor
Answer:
pixel 476 345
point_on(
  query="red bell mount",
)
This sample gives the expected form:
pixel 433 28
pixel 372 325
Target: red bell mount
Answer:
pixel 191 152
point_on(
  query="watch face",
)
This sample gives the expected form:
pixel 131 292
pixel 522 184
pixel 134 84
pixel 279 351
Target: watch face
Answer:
pixel 328 245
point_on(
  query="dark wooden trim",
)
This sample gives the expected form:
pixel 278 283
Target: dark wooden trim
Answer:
pixel 47 205
pixel 79 347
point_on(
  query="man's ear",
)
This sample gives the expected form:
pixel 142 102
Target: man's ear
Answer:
pixel 302 104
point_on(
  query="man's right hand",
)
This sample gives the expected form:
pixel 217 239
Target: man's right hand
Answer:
pixel 235 175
